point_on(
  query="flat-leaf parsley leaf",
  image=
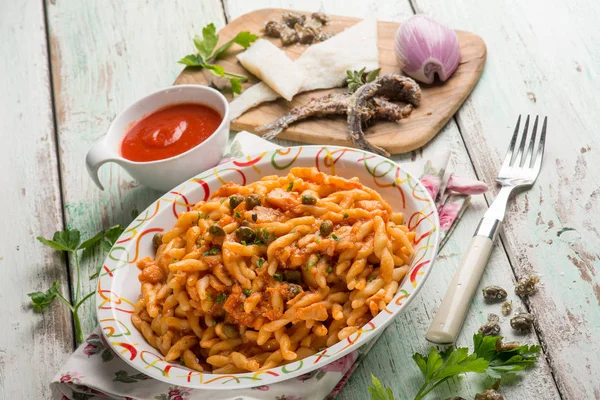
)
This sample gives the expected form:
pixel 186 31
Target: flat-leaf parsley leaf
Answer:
pixel 212 252
pixel 438 367
pixel 378 391
pixel 207 55
pixel 70 242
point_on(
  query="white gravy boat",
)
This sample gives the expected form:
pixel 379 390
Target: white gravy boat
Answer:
pixel 165 174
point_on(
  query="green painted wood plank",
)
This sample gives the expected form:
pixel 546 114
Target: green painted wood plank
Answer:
pixel 543 58
pixel 390 359
pixel 105 56
pixel 30 205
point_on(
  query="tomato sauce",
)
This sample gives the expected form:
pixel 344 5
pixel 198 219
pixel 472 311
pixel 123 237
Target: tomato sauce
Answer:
pixel 169 131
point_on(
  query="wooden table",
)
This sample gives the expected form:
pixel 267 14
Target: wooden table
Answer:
pixel 68 67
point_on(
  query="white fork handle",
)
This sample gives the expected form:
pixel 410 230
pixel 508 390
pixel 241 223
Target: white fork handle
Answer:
pixel 449 318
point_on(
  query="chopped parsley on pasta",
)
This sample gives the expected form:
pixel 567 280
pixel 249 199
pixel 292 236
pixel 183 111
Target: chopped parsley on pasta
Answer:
pixel 287 266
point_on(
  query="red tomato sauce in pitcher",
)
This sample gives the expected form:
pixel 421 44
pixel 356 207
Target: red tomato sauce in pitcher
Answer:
pixel 169 131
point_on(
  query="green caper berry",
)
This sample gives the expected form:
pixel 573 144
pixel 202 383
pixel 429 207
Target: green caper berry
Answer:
pixel 326 228
pixel 245 233
pixel 157 240
pixel 216 230
pixel 252 200
pixel 235 201
pixel 309 200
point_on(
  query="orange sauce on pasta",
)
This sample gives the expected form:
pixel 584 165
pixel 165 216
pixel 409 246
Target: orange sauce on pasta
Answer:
pixel 271 272
pixel 170 131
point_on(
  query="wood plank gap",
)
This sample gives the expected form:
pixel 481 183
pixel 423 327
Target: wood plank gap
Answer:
pixel 225 12
pixel 501 241
pixel 413 7
pixel 115 72
pixel 58 158
pixel 405 336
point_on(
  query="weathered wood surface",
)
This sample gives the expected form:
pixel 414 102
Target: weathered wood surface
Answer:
pixel 106 55
pixel 390 359
pixel 545 62
pixel 439 104
pixel 31 206
pixel 538 62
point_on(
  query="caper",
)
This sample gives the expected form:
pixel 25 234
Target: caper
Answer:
pixel 245 234
pixel 216 230
pixel 326 228
pixel 265 236
pixel 230 331
pixel 493 318
pixel 235 201
pixel 494 293
pixel 522 322
pixel 492 327
pixel 309 199
pixel 509 346
pixel 527 285
pixel 292 276
pixel 490 394
pixel 506 307
pixel 252 200
pixel 157 240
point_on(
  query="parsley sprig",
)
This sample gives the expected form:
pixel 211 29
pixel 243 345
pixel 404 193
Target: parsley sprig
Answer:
pixel 207 55
pixel 378 391
pixel 356 79
pixel 438 367
pixel 70 242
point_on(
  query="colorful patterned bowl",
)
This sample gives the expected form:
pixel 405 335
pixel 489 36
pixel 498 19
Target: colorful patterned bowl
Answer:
pixel 119 288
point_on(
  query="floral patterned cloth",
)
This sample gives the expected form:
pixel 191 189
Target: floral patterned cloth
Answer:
pixel 94 372
pixel 452 196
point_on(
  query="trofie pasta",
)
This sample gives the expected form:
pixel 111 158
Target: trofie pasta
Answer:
pixel 271 272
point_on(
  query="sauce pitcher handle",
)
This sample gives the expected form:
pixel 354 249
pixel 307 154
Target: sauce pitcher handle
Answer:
pixel 97 156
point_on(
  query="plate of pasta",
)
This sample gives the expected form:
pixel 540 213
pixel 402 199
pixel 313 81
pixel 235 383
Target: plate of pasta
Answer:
pixel 268 267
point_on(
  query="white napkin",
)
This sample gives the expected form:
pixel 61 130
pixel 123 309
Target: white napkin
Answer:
pixel 95 372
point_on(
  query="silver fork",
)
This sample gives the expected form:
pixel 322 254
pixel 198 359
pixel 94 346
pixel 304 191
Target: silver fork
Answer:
pixel 520 169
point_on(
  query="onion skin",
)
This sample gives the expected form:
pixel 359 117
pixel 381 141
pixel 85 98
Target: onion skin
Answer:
pixel 462 185
pixel 424 47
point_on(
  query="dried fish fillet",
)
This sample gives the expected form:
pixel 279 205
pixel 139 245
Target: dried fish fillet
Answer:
pixel 279 71
pixel 386 110
pixel 325 63
pixel 392 87
pixel 333 104
pixel 336 104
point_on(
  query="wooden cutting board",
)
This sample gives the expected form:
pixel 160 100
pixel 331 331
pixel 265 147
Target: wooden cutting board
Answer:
pixel 439 103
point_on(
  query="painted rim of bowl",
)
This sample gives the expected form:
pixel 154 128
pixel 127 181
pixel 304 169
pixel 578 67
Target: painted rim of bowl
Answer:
pixel 282 373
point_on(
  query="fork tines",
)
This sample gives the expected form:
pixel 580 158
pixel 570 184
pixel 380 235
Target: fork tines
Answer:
pixel 529 159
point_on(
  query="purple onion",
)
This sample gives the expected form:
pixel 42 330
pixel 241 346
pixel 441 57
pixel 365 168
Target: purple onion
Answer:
pixel 425 47
pixel 462 185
